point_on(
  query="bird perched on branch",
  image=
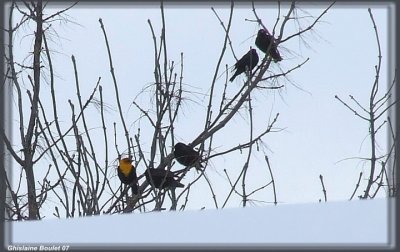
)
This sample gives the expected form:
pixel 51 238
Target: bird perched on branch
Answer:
pixel 265 41
pixel 187 156
pixel 162 179
pixel 247 62
pixel 127 174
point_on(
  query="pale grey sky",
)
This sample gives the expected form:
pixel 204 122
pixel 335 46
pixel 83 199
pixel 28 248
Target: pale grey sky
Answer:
pixel 317 131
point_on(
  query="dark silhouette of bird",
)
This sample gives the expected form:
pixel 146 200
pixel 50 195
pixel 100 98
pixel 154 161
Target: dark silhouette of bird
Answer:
pixel 127 174
pixel 162 179
pixel 264 40
pixel 247 62
pixel 186 155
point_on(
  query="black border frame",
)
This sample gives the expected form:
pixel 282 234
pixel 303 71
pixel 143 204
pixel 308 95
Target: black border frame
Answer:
pixel 394 205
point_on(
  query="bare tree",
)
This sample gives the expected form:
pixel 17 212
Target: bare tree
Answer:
pixel 372 114
pixel 28 137
pixel 30 127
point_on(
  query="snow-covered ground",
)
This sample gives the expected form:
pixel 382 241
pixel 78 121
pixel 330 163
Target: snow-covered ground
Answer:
pixel 347 223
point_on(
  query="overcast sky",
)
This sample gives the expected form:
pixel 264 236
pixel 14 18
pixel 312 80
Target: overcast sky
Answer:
pixel 317 132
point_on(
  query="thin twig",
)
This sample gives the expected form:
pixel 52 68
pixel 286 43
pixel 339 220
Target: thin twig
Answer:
pixel 115 87
pixel 323 187
pixel 309 27
pixel 357 185
pixel 354 111
pixel 272 179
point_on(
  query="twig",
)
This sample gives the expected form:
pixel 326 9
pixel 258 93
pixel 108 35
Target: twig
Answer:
pixel 115 87
pixel 272 179
pixel 248 144
pixel 258 189
pixel 230 182
pixel 357 185
pixel 323 186
pixel 95 188
pixel 246 166
pixel 285 73
pixel 354 111
pixel 225 29
pixel 372 116
pixel 309 27
pixel 105 179
pixel 212 191
pixel 352 97
pixel 209 107
pixel 60 12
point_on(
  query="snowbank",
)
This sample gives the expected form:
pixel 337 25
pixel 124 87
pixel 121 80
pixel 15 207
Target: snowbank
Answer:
pixel 346 223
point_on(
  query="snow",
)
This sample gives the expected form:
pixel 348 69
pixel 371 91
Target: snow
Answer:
pixel 344 222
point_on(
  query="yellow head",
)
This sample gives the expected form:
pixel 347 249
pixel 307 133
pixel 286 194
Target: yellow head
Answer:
pixel 125 166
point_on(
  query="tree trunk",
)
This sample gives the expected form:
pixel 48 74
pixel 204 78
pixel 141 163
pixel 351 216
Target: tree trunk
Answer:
pixel 30 180
pixel 28 148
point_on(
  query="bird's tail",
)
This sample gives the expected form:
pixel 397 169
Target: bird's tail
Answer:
pixel 177 184
pixel 275 55
pixel 232 78
pixel 199 167
pixel 134 187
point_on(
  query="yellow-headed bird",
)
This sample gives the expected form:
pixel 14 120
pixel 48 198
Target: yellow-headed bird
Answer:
pixel 127 174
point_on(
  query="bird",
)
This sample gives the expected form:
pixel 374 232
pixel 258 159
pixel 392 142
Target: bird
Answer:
pixel 162 179
pixel 186 155
pixel 249 61
pixel 127 174
pixel 263 42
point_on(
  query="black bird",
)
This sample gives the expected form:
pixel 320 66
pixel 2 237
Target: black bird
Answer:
pixel 264 40
pixel 127 174
pixel 162 179
pixel 186 155
pixel 249 61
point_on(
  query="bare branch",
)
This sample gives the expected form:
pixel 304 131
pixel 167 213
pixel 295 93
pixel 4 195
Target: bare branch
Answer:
pixel 208 116
pixel 323 187
pixel 272 179
pixel 309 27
pixel 59 12
pixel 115 86
pixel 355 112
pixel 357 185
pixel 352 97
